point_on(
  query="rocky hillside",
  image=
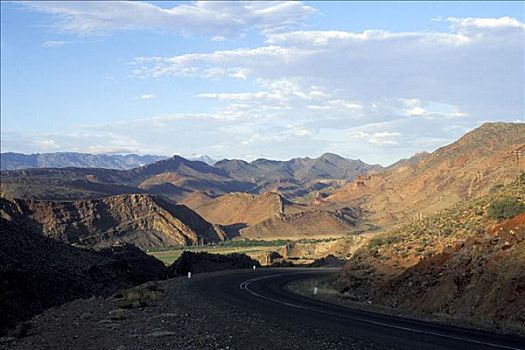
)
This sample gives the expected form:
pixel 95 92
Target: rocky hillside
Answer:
pixel 143 220
pixel 482 276
pixel 449 262
pixel 316 224
pixel 270 216
pixel 327 166
pixel 467 168
pixel 241 208
pixel 38 272
pixel 12 161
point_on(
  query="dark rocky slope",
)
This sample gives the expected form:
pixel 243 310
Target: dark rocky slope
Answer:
pixel 37 272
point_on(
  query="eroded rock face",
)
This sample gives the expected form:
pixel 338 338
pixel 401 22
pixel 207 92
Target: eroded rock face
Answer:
pixel 38 272
pixel 143 220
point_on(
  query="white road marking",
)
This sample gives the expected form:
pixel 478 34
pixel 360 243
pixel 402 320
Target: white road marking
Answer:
pixel 244 285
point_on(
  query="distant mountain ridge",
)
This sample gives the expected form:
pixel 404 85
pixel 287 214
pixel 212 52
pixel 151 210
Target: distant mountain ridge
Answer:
pixel 13 161
pixel 327 166
pixel 176 177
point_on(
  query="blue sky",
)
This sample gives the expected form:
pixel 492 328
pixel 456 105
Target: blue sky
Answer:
pixel 371 80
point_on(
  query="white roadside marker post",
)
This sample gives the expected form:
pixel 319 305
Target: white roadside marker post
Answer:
pixel 189 274
pixel 316 290
pixel 254 267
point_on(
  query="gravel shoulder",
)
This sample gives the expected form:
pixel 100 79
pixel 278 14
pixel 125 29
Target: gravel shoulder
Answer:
pixel 170 314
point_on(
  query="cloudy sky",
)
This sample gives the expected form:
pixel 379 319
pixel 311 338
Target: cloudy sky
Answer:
pixel 375 81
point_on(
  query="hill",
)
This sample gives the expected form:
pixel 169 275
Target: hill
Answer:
pixel 143 220
pixel 241 208
pixel 38 272
pixel 315 224
pixel 270 216
pixel 461 261
pixel 12 161
pixel 467 168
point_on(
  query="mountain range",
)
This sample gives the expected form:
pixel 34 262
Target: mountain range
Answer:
pixel 176 177
pixel 12 161
pixel 328 196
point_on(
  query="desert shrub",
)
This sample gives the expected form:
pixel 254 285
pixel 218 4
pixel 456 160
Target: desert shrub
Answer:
pixel 505 208
pixel 446 231
pixel 496 188
pixel 382 240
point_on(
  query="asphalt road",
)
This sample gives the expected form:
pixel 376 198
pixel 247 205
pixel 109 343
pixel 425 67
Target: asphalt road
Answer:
pixel 262 291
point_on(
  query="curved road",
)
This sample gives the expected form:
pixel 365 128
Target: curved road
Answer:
pixel 262 291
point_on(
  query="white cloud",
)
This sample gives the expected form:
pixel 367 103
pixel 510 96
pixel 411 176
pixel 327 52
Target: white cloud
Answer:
pixel 325 38
pixel 199 64
pixel 282 99
pixel 54 43
pixel 46 145
pixel 80 140
pixel 379 138
pixel 147 96
pixel 374 95
pixel 413 107
pixel 218 38
pixel 502 22
pixel 288 133
pixel 473 67
pixel 214 18
pixel 115 144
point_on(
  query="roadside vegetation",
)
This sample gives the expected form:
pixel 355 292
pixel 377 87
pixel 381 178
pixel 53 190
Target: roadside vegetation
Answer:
pixel 505 208
pixel 169 254
pixel 456 250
